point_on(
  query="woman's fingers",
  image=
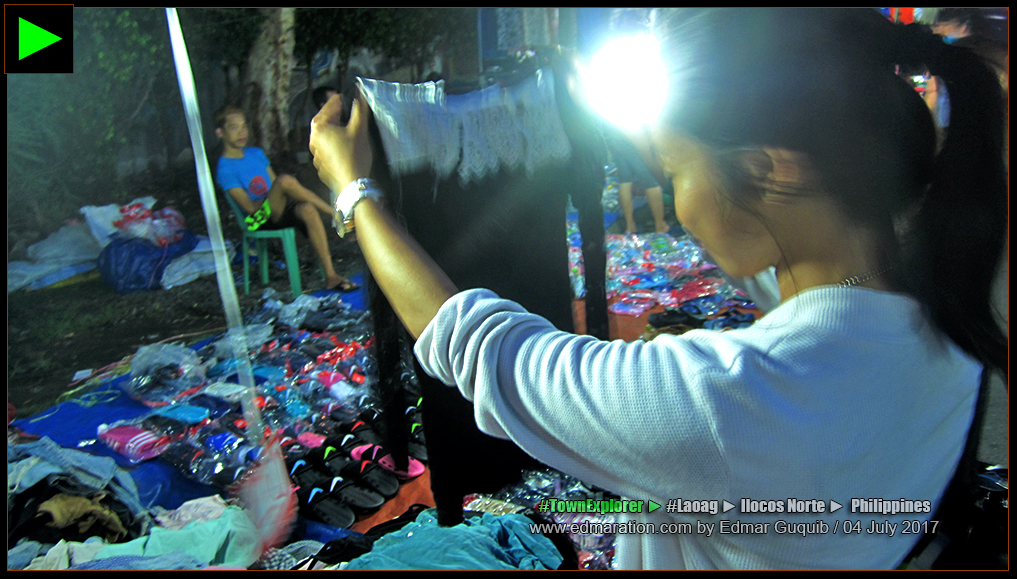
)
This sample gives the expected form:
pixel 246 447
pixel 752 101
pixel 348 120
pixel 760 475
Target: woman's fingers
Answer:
pixel 341 154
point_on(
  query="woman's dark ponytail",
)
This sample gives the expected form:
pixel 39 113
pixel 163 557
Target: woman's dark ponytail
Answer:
pixel 826 83
pixel 953 243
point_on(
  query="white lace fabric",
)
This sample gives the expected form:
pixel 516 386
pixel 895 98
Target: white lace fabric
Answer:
pixel 475 134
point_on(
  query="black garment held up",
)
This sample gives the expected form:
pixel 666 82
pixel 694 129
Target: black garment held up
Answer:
pixel 506 233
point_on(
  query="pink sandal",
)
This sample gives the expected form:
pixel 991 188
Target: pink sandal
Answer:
pixel 378 454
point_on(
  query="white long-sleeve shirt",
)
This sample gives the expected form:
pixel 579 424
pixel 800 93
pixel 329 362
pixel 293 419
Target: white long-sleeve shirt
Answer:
pixel 838 394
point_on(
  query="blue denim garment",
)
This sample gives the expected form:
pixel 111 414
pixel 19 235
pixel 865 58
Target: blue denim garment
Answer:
pixel 177 560
pixel 486 542
pixel 20 556
pixel 44 458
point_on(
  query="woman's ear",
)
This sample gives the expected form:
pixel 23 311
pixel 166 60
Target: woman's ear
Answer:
pixel 757 164
pixel 778 173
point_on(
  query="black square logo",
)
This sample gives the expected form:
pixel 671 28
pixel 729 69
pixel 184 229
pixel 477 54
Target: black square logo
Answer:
pixel 39 39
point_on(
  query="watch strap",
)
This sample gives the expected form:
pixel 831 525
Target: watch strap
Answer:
pixel 346 201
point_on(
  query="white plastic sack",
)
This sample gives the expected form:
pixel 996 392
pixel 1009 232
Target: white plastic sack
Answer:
pixel 71 244
pixel 160 227
pixel 190 266
pixel 22 273
pixel 100 219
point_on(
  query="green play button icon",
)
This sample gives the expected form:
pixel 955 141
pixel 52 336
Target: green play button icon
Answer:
pixel 44 35
pixel 32 39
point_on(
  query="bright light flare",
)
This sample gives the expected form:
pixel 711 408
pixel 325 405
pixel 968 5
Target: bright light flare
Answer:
pixel 626 82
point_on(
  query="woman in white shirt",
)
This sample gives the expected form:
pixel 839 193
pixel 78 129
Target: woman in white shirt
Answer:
pixel 792 145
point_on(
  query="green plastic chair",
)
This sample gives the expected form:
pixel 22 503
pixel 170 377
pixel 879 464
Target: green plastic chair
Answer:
pixel 259 238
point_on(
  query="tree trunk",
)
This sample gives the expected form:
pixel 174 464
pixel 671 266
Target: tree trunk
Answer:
pixel 269 67
pixel 301 140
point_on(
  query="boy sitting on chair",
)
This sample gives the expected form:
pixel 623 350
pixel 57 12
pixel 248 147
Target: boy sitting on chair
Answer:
pixel 271 201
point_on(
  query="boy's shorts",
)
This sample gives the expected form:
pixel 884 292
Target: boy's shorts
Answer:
pixel 289 218
pixel 259 218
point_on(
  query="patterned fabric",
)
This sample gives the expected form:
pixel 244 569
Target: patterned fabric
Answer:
pixel 478 133
pixel 290 556
pixel 200 509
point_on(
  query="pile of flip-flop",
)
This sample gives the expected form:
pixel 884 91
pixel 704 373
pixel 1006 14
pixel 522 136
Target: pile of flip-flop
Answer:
pixel 646 270
pixel 315 392
pixel 350 472
pixel 692 315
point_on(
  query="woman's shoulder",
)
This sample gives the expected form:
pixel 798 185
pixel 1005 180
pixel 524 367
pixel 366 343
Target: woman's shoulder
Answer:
pixel 827 332
pixel 850 311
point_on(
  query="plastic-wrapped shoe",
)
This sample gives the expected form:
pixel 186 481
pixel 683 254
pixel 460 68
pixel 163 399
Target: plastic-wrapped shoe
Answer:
pixel 673 317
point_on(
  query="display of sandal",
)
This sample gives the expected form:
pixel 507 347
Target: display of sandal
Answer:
pixel 730 320
pixel 674 317
pixel 364 431
pixel 416 446
pixel 379 455
pixel 319 505
pixel 344 488
pixel 364 472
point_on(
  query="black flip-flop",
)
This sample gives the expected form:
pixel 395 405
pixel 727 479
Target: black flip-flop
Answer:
pixel 344 287
pixel 364 433
pixel 304 475
pixel 365 472
pixel 359 498
pixel 334 456
pixel 319 505
pixel 348 442
pixel 416 446
pixel 355 496
pixel 361 429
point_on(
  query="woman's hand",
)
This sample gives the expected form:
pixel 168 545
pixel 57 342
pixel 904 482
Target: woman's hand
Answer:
pixel 414 285
pixel 341 154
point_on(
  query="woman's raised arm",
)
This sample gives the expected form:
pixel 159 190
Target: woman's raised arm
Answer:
pixel 413 283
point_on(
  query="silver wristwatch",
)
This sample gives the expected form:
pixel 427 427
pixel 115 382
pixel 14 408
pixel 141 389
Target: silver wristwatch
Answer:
pixel 347 200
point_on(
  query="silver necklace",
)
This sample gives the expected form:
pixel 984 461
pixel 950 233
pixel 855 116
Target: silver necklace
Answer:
pixel 858 279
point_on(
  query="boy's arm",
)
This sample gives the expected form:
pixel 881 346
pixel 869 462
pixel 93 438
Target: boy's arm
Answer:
pixel 271 173
pixel 240 196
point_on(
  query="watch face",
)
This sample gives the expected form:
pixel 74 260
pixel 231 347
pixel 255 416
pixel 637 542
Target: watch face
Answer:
pixel 346 201
pixel 340 225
